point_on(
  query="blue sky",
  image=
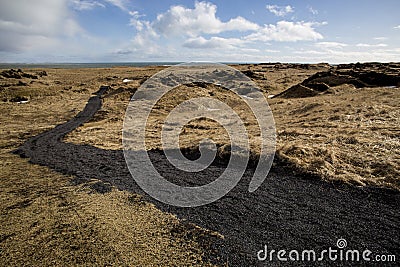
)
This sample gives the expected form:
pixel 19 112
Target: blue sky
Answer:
pixel 215 30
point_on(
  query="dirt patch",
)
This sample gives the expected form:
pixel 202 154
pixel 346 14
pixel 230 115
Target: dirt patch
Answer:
pixel 298 90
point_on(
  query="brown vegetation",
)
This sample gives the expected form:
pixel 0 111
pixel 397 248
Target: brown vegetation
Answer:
pixel 343 129
pixel 326 127
pixel 48 221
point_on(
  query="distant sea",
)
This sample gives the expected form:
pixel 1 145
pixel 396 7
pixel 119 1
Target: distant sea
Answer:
pixel 82 65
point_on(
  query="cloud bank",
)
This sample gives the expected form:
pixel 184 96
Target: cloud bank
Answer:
pixel 24 25
pixel 66 30
pixel 200 28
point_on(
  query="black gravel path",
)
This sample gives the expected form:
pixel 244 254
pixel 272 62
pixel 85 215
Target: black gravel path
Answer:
pixel 286 212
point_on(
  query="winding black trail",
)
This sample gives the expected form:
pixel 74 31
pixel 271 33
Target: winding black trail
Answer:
pixel 286 212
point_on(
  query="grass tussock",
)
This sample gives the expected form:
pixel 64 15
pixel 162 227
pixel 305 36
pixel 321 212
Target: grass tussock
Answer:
pixel 352 136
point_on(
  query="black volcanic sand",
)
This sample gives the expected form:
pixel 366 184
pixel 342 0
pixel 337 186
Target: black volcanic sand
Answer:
pixel 286 212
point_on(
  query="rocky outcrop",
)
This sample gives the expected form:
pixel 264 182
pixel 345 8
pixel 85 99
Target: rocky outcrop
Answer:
pixel 17 74
pixel 359 75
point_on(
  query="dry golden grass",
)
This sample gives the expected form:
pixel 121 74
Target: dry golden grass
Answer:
pixel 47 221
pixel 349 135
pixel 346 134
pixel 352 136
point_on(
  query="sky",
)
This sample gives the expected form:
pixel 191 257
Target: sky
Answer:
pixel 308 31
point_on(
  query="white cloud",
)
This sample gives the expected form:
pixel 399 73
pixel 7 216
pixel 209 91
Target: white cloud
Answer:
pixel 346 56
pixel 330 45
pixel 279 11
pixel 371 45
pixel 85 5
pixel 286 31
pixel 397 27
pixel 198 29
pixel 179 20
pixel 271 51
pixel 91 4
pixel 380 38
pixel 24 26
pixel 144 42
pixel 136 22
pixel 312 10
pixel 187 26
pixel 122 4
pixel 213 42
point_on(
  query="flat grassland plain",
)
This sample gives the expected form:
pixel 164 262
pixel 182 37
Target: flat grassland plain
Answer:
pixel 340 124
